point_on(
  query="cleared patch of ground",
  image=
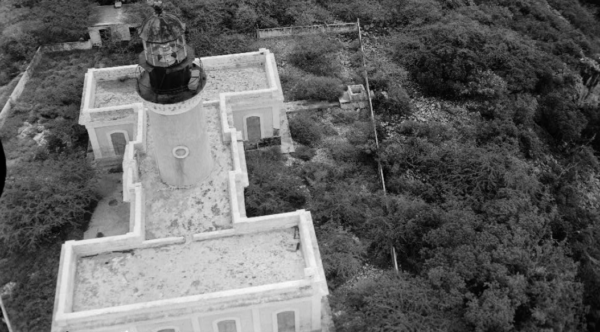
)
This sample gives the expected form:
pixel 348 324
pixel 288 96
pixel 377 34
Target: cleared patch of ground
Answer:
pixel 192 268
pixel 204 207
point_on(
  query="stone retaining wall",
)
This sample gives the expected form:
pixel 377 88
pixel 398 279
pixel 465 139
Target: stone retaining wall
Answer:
pixel 18 90
pixel 305 30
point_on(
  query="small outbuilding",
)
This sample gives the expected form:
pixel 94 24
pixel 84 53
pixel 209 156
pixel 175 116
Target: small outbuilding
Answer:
pixel 112 22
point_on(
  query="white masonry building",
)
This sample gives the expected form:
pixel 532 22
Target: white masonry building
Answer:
pixel 192 261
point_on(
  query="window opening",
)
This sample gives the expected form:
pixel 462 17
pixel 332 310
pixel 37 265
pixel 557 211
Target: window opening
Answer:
pixel 286 321
pixel 119 141
pixel 253 128
pixel 229 325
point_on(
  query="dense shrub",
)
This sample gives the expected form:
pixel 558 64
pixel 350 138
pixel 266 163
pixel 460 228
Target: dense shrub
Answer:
pixel 340 116
pixel 397 102
pixel 272 188
pixel 578 15
pixel 31 302
pixel 593 126
pixel 41 201
pixel 416 306
pixel 212 44
pixel 61 20
pixel 561 117
pixel 345 203
pixel 342 254
pixel 245 18
pixel 416 12
pixel 362 138
pixel 342 151
pixel 317 55
pixel 304 153
pixel 318 88
pixel 305 130
pixel 370 11
pixel 461 57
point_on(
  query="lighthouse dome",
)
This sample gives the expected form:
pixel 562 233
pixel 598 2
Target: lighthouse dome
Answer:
pixel 162 28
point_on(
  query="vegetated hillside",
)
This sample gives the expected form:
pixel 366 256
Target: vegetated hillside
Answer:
pixel 493 186
pixel 27 24
pixel 492 206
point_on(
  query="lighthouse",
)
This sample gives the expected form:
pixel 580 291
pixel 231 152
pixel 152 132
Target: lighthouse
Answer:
pixel 170 82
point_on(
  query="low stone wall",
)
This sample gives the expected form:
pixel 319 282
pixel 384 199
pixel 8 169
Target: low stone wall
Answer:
pixel 234 60
pixel 305 30
pixel 18 90
pixel 78 45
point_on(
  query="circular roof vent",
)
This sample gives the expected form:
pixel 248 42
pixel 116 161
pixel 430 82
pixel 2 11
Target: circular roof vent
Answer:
pixel 162 27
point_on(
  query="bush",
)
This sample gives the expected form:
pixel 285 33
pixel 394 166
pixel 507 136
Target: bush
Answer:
pixel 362 138
pixel 30 304
pixel 459 57
pixel 339 116
pixel 305 130
pixel 273 189
pixel 245 18
pixel 61 20
pixel 341 200
pixel 217 43
pixel 396 103
pixel 318 88
pixel 342 254
pixel 369 11
pixel 316 55
pixel 578 15
pixel 42 201
pixel 342 151
pixel 434 132
pixel 303 153
pixel 561 117
pixel 406 303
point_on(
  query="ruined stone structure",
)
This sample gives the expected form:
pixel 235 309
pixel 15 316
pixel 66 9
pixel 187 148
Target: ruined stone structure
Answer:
pixel 192 260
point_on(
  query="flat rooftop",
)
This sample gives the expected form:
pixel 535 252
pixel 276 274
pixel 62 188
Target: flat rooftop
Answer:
pixel 122 92
pixel 202 208
pixel 192 268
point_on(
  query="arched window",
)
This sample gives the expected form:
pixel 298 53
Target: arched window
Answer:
pixel 227 325
pixel 286 321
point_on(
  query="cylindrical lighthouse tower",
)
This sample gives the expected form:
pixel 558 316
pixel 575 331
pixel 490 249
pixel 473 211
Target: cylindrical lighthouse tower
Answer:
pixel 170 84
